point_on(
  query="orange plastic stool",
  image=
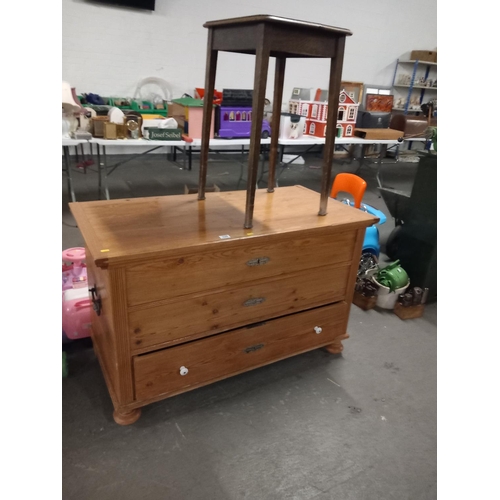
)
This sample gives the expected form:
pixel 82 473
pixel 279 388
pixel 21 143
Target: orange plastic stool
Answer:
pixel 349 183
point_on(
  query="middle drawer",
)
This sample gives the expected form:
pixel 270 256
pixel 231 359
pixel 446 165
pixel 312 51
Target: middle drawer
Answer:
pixel 203 314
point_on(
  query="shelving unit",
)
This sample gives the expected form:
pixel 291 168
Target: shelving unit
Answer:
pixel 425 70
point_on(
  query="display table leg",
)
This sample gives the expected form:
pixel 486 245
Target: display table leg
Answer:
pixel 71 191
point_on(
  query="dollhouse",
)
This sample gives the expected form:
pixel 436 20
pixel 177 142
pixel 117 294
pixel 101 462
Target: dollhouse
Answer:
pixel 316 110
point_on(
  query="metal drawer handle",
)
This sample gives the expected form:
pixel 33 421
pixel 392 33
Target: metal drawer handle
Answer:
pixel 183 371
pixel 318 329
pixel 254 302
pixel 259 261
pixel 96 300
pixel 253 348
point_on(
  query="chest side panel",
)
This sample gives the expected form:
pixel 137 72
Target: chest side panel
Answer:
pixel 103 334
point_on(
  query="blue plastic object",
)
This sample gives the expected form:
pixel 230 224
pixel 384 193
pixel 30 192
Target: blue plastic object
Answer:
pixel 371 243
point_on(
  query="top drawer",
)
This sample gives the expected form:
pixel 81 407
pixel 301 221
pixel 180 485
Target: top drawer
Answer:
pixel 234 264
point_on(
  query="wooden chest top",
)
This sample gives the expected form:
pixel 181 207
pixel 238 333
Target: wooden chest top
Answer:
pixel 128 230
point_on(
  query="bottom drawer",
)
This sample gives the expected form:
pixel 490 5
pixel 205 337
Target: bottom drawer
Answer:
pixel 184 367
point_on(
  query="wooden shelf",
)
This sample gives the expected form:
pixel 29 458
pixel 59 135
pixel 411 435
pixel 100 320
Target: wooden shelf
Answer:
pixel 414 87
pixel 427 63
pixel 409 111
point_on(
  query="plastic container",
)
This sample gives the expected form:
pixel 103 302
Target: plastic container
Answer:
pixel 149 107
pixel 120 103
pixel 76 313
pixel 385 298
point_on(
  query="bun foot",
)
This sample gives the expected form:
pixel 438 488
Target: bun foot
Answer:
pixel 336 347
pixel 127 418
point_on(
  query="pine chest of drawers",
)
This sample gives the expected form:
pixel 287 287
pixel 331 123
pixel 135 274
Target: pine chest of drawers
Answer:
pixel 184 295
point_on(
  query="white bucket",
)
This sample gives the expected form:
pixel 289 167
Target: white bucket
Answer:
pixel 385 298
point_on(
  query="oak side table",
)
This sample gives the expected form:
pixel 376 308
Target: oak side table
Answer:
pixel 271 36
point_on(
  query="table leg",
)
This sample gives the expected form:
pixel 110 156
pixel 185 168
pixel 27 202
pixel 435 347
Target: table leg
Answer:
pixel 207 114
pixel 259 95
pixel 99 173
pixel 190 157
pixel 263 154
pixel 71 191
pixel 333 103
pixel 242 167
pixel 106 191
pixel 361 159
pixel 263 165
pixel 383 152
pixel 279 79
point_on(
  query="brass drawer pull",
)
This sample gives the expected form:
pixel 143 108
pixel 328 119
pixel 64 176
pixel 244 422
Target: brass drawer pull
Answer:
pixel 254 302
pixel 253 348
pixel 259 261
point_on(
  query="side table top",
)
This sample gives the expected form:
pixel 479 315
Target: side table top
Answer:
pixel 246 20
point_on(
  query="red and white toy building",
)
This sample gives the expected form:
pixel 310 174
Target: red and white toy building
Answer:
pixel 316 110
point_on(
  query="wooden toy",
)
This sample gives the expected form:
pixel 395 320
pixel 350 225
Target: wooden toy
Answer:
pixel 192 111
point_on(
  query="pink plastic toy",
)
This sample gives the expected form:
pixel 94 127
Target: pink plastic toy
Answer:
pixel 76 304
pixel 74 274
pixel 76 313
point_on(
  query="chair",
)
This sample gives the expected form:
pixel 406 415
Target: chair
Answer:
pixel 356 187
pixel 349 183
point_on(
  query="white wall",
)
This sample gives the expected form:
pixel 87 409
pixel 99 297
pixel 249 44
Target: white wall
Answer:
pixel 107 50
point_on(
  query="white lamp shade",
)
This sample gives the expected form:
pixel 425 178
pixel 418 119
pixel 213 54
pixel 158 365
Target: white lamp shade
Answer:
pixel 68 102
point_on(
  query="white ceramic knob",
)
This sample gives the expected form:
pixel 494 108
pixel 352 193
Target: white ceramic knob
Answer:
pixel 318 329
pixel 184 370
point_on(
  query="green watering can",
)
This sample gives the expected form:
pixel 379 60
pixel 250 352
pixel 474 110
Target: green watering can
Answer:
pixel 392 276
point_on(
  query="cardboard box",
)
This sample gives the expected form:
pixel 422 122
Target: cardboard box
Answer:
pixel 364 302
pixel 194 190
pixel 175 109
pixel 110 131
pixel 409 312
pixel 424 55
pixel 98 125
pixel 177 112
pixel 378 133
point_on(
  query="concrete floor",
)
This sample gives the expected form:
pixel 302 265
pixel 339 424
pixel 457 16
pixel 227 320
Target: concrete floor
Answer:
pixel 361 425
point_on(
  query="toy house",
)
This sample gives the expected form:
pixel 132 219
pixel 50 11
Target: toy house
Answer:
pixel 316 110
pixel 189 115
